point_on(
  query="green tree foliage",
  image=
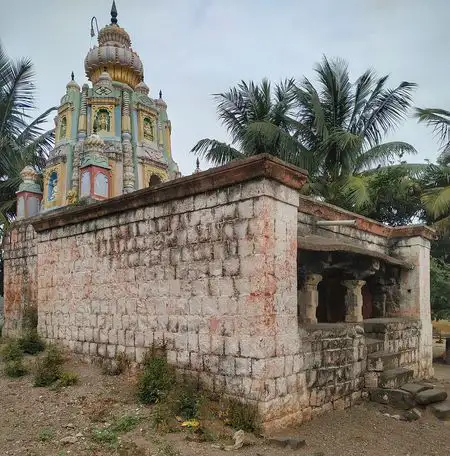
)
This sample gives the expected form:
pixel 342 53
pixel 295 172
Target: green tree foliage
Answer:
pixel 334 128
pixel 23 141
pixel 440 289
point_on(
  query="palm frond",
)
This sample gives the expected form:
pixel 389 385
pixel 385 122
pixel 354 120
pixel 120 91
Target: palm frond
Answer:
pixel 382 154
pixel 438 120
pixel 216 152
pixel 437 201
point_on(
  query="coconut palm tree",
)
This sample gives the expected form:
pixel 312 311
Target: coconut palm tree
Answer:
pixel 23 141
pixel 436 196
pixel 258 119
pixel 344 124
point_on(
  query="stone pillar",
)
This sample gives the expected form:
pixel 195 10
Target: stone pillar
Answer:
pixel 353 300
pixel 128 166
pixel 415 293
pixel 308 299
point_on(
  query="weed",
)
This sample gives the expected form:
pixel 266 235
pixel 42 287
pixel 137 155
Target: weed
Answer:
pixel 116 366
pixel 31 343
pixel 48 368
pixel 68 379
pixel 29 319
pixel 125 423
pixel 105 436
pixel 243 416
pixel 162 416
pixel 165 449
pixel 12 351
pixel 46 434
pixel 156 380
pixel 15 368
pixel 187 404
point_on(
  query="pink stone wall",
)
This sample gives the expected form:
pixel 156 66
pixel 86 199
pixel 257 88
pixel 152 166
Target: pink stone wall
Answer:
pixel 20 276
pixel 211 277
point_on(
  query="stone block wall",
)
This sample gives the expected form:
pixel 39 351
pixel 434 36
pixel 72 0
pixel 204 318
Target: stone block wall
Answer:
pixel 20 276
pixel 335 362
pixel 205 266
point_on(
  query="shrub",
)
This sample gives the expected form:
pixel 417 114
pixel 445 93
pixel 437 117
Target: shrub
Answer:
pixel 243 416
pixel 68 379
pixel 31 343
pixel 15 368
pixel 156 380
pixel 48 368
pixel 12 351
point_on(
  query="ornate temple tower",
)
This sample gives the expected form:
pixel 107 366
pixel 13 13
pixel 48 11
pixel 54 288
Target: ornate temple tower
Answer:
pixel 111 138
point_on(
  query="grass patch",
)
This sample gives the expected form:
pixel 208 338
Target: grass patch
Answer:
pixel 156 380
pixel 48 368
pixel 125 423
pixel 105 437
pixel 243 416
pixel 68 379
pixel 46 434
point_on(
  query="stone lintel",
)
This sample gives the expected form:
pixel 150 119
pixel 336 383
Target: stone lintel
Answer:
pixel 240 171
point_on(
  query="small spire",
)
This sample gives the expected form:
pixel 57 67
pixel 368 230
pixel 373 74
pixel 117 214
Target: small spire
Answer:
pixel 113 13
pixel 160 94
pixel 72 76
pixel 197 169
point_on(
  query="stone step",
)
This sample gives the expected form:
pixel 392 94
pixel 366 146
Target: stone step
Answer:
pixel 382 360
pixel 441 410
pixel 396 398
pixel 374 345
pixel 430 396
pixel 415 388
pixel 395 378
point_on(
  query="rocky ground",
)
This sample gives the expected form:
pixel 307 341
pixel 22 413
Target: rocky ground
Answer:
pixel 72 421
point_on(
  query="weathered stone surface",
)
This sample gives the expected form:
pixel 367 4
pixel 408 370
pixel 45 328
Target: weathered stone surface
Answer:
pixel 430 396
pixel 441 410
pixel 294 443
pixel 415 388
pixel 396 398
pixel 394 378
pixel 381 361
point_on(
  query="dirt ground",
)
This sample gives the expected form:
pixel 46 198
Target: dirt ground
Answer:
pixel 35 422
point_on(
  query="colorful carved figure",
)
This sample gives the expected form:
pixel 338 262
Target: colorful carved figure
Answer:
pixel 102 121
pixel 52 186
pixel 148 129
pixel 63 128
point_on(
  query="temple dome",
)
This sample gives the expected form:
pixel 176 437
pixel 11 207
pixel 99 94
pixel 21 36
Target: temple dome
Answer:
pixel 114 53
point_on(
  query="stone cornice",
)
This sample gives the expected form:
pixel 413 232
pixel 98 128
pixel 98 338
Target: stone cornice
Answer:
pixel 237 172
pixel 325 211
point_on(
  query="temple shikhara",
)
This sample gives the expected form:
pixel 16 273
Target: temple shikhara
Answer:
pixel 258 292
pixel 111 137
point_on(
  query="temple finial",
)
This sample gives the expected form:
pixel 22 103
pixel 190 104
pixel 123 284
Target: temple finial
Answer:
pixel 72 76
pixel 160 94
pixel 113 13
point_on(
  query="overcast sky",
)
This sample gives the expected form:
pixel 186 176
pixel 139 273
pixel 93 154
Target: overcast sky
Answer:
pixel 194 48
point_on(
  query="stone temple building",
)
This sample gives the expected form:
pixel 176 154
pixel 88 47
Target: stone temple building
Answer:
pixel 253 289
pixel 111 138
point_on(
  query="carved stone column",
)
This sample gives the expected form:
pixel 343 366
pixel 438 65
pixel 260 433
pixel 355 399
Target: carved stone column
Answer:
pixel 308 299
pixel 353 300
pixel 128 166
